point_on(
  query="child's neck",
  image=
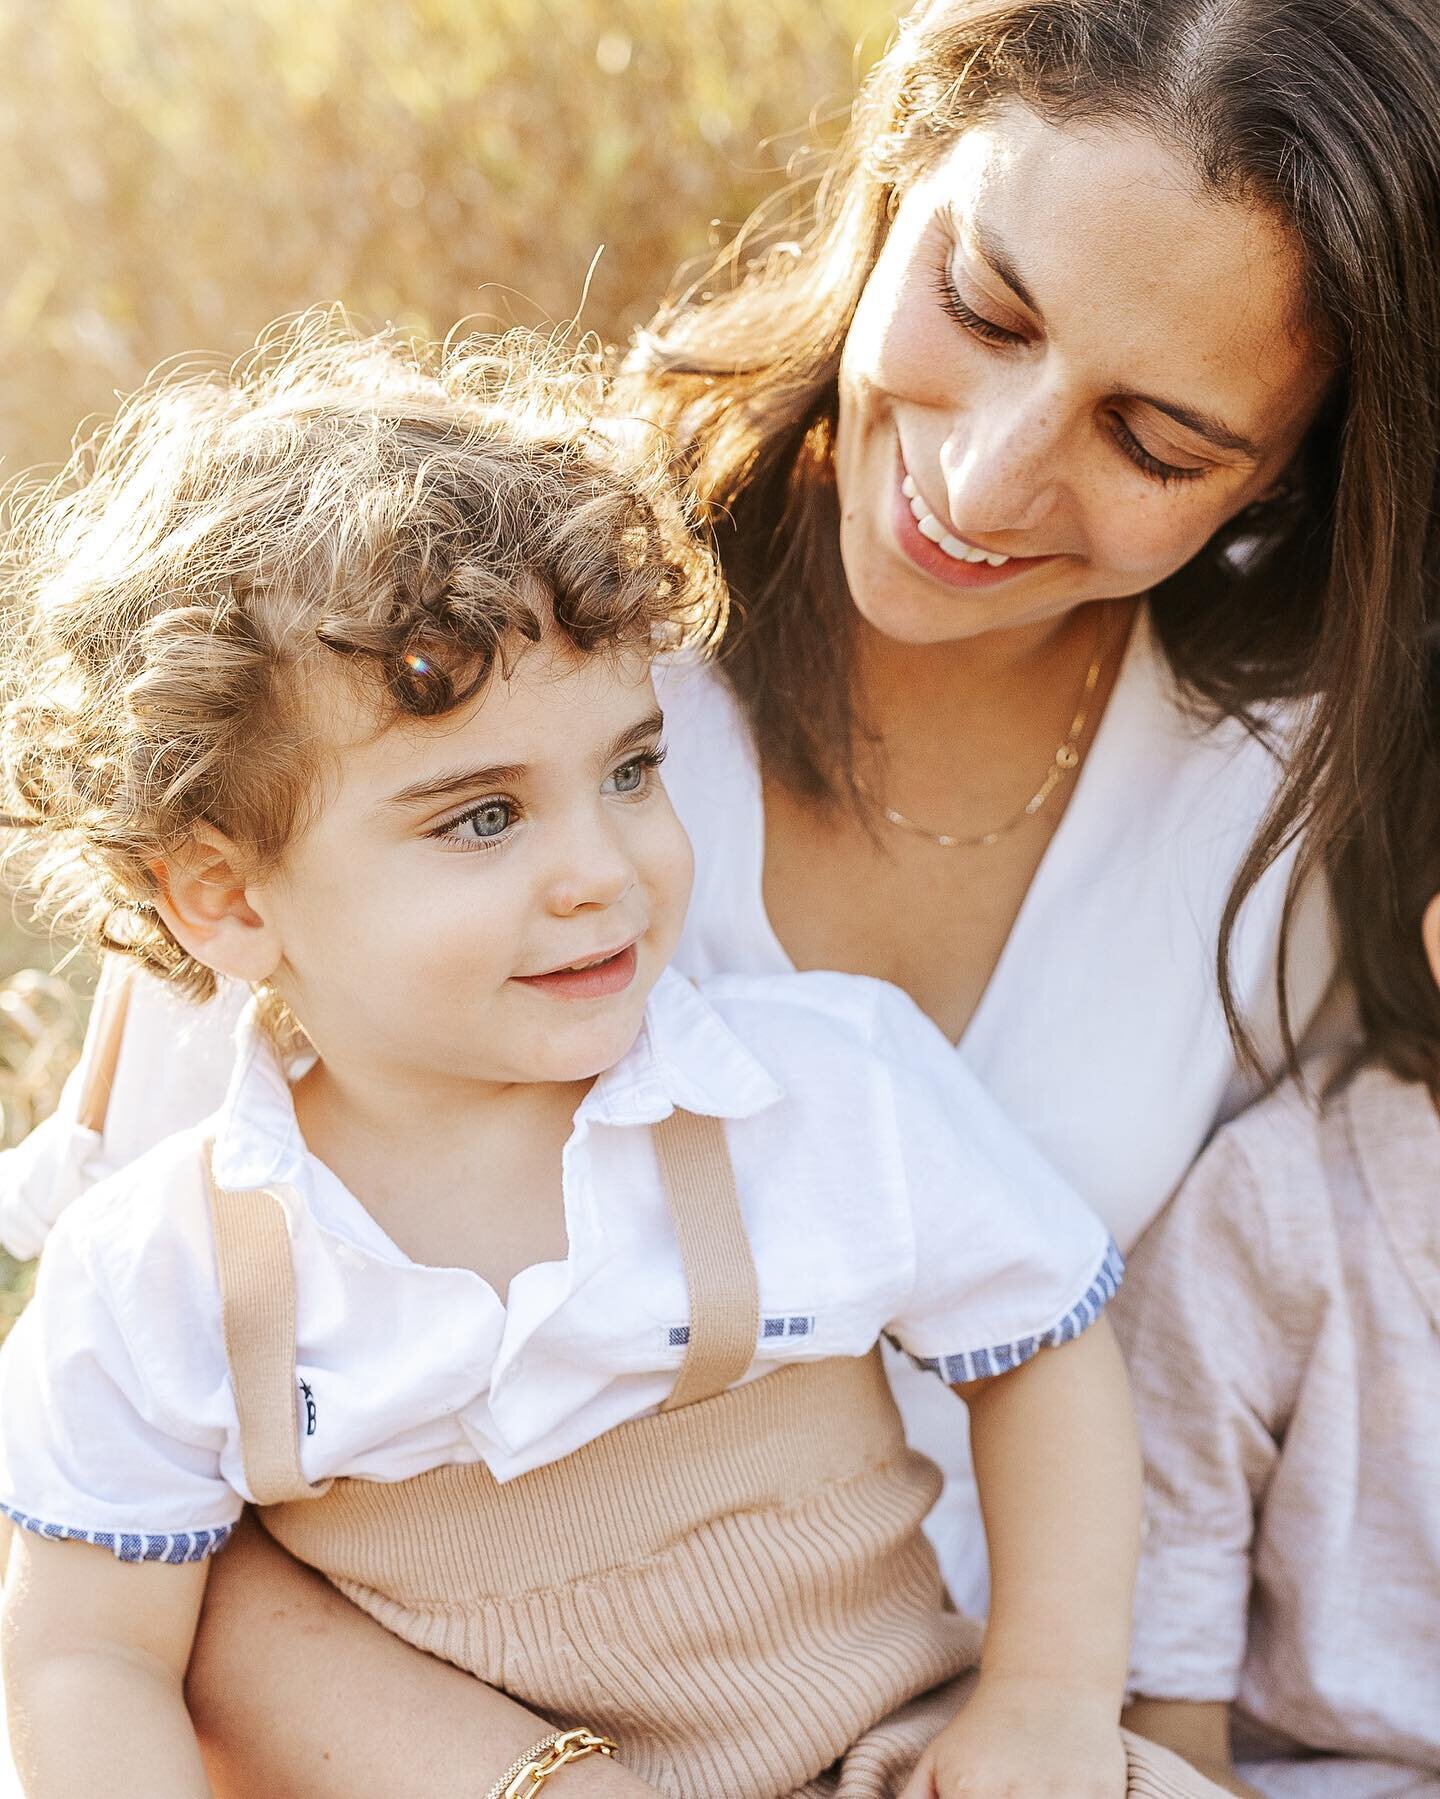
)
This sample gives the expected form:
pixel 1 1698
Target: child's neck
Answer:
pixel 465 1178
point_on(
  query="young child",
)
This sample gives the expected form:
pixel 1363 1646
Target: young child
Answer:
pixel 1289 1395
pixel 531 1293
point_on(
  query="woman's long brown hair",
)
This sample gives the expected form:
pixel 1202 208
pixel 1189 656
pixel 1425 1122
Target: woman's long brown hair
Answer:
pixel 1327 112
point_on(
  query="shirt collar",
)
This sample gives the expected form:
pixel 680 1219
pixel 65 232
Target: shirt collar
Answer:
pixel 257 1136
pixel 686 1058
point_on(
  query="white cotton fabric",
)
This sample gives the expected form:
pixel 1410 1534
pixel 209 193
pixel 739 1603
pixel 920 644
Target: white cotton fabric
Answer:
pixel 882 1190
pixel 1100 1033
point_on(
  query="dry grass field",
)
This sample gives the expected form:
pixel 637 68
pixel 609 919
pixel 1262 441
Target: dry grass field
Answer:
pixel 176 175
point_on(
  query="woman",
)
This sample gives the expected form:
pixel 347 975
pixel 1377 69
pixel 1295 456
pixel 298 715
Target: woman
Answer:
pixel 1075 479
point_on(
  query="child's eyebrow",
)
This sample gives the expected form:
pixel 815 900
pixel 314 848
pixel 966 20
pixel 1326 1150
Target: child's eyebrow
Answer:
pixel 509 774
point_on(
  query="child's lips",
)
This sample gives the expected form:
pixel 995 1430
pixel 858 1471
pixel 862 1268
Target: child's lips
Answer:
pixel 598 981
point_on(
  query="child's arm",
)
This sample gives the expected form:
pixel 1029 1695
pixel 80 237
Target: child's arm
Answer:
pixel 94 1664
pixel 1216 1319
pixel 1058 1468
pixel 1200 1731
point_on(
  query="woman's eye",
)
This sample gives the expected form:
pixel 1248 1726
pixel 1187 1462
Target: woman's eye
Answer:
pixel 974 322
pixel 634 775
pixel 1165 473
pixel 481 826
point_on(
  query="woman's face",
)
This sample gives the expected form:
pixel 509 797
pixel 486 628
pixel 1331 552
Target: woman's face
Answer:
pixel 1068 368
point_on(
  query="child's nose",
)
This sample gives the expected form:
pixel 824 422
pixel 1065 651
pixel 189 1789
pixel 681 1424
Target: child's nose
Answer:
pixel 596 872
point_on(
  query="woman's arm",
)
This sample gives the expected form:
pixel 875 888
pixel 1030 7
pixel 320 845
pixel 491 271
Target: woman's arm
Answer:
pixel 297 1694
pixel 94 1657
pixel 1058 1467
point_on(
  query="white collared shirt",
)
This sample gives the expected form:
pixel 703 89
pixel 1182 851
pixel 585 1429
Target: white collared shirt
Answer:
pixel 882 1191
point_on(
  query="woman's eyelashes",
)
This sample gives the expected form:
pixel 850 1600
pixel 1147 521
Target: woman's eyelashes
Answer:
pixel 488 824
pixel 1002 337
pixel 1164 472
pixel 974 322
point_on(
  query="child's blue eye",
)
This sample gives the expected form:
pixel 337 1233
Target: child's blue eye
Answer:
pixel 634 776
pixel 490 819
pixel 482 825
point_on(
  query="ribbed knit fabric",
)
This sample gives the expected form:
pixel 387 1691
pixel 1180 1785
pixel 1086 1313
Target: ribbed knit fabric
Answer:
pixel 737 1590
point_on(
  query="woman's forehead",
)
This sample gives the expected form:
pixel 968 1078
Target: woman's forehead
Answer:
pixel 1137 273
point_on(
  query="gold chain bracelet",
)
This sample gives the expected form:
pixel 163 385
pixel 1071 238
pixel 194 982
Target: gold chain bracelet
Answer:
pixel 529 1773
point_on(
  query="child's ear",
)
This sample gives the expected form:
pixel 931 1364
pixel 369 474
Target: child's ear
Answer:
pixel 210 907
pixel 1430 936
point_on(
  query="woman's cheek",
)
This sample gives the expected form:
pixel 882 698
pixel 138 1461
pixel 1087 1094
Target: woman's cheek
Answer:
pixel 1144 538
pixel 918 358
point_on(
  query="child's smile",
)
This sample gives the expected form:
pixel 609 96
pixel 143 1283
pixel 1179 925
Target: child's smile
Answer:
pixel 602 975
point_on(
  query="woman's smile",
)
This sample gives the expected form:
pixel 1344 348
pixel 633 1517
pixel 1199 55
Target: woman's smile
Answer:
pixel 929 541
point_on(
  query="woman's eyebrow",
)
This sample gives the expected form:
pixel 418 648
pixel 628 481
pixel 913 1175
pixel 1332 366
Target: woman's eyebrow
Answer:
pixel 1003 264
pixel 1204 424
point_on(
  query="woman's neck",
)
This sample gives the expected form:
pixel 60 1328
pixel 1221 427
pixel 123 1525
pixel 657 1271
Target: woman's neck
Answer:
pixel 901 686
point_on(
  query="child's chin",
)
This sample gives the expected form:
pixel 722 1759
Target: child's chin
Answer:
pixel 590 1054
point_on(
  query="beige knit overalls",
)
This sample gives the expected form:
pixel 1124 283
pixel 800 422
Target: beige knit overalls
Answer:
pixel 736 1588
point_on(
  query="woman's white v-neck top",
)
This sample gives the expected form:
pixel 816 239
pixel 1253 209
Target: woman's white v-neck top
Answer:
pixel 1101 1030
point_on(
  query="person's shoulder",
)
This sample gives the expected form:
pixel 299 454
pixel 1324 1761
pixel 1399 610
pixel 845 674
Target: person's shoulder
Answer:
pixel 832 1039
pixel 1280 1145
pixel 130 1227
pixel 1266 1182
pixel 794 1016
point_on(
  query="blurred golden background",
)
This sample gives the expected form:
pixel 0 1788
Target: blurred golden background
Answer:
pixel 181 172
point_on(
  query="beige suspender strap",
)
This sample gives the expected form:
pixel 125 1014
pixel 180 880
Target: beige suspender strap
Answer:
pixel 257 1303
pixel 101 1053
pixel 715 1251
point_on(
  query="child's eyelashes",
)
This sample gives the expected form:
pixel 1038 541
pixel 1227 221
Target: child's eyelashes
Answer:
pixel 489 823
pixel 636 774
pixel 483 826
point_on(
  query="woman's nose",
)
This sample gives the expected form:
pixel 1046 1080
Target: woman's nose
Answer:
pixel 1003 465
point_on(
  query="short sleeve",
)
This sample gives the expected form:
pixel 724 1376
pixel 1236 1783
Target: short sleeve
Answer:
pixel 1009 1259
pixel 86 1451
pixel 1212 1328
pixel 63 1157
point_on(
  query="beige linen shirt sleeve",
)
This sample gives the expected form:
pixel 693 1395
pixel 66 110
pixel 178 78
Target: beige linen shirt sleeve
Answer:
pixel 1215 1324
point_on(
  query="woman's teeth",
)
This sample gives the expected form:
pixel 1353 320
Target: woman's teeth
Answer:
pixel 929 526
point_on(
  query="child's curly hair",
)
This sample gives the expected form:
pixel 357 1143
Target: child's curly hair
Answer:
pixel 412 510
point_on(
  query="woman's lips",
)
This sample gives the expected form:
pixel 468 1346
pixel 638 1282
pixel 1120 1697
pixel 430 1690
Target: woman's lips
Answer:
pixel 598 981
pixel 933 561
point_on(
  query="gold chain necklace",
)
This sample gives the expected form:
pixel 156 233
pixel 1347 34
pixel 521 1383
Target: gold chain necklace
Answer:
pixel 1064 762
